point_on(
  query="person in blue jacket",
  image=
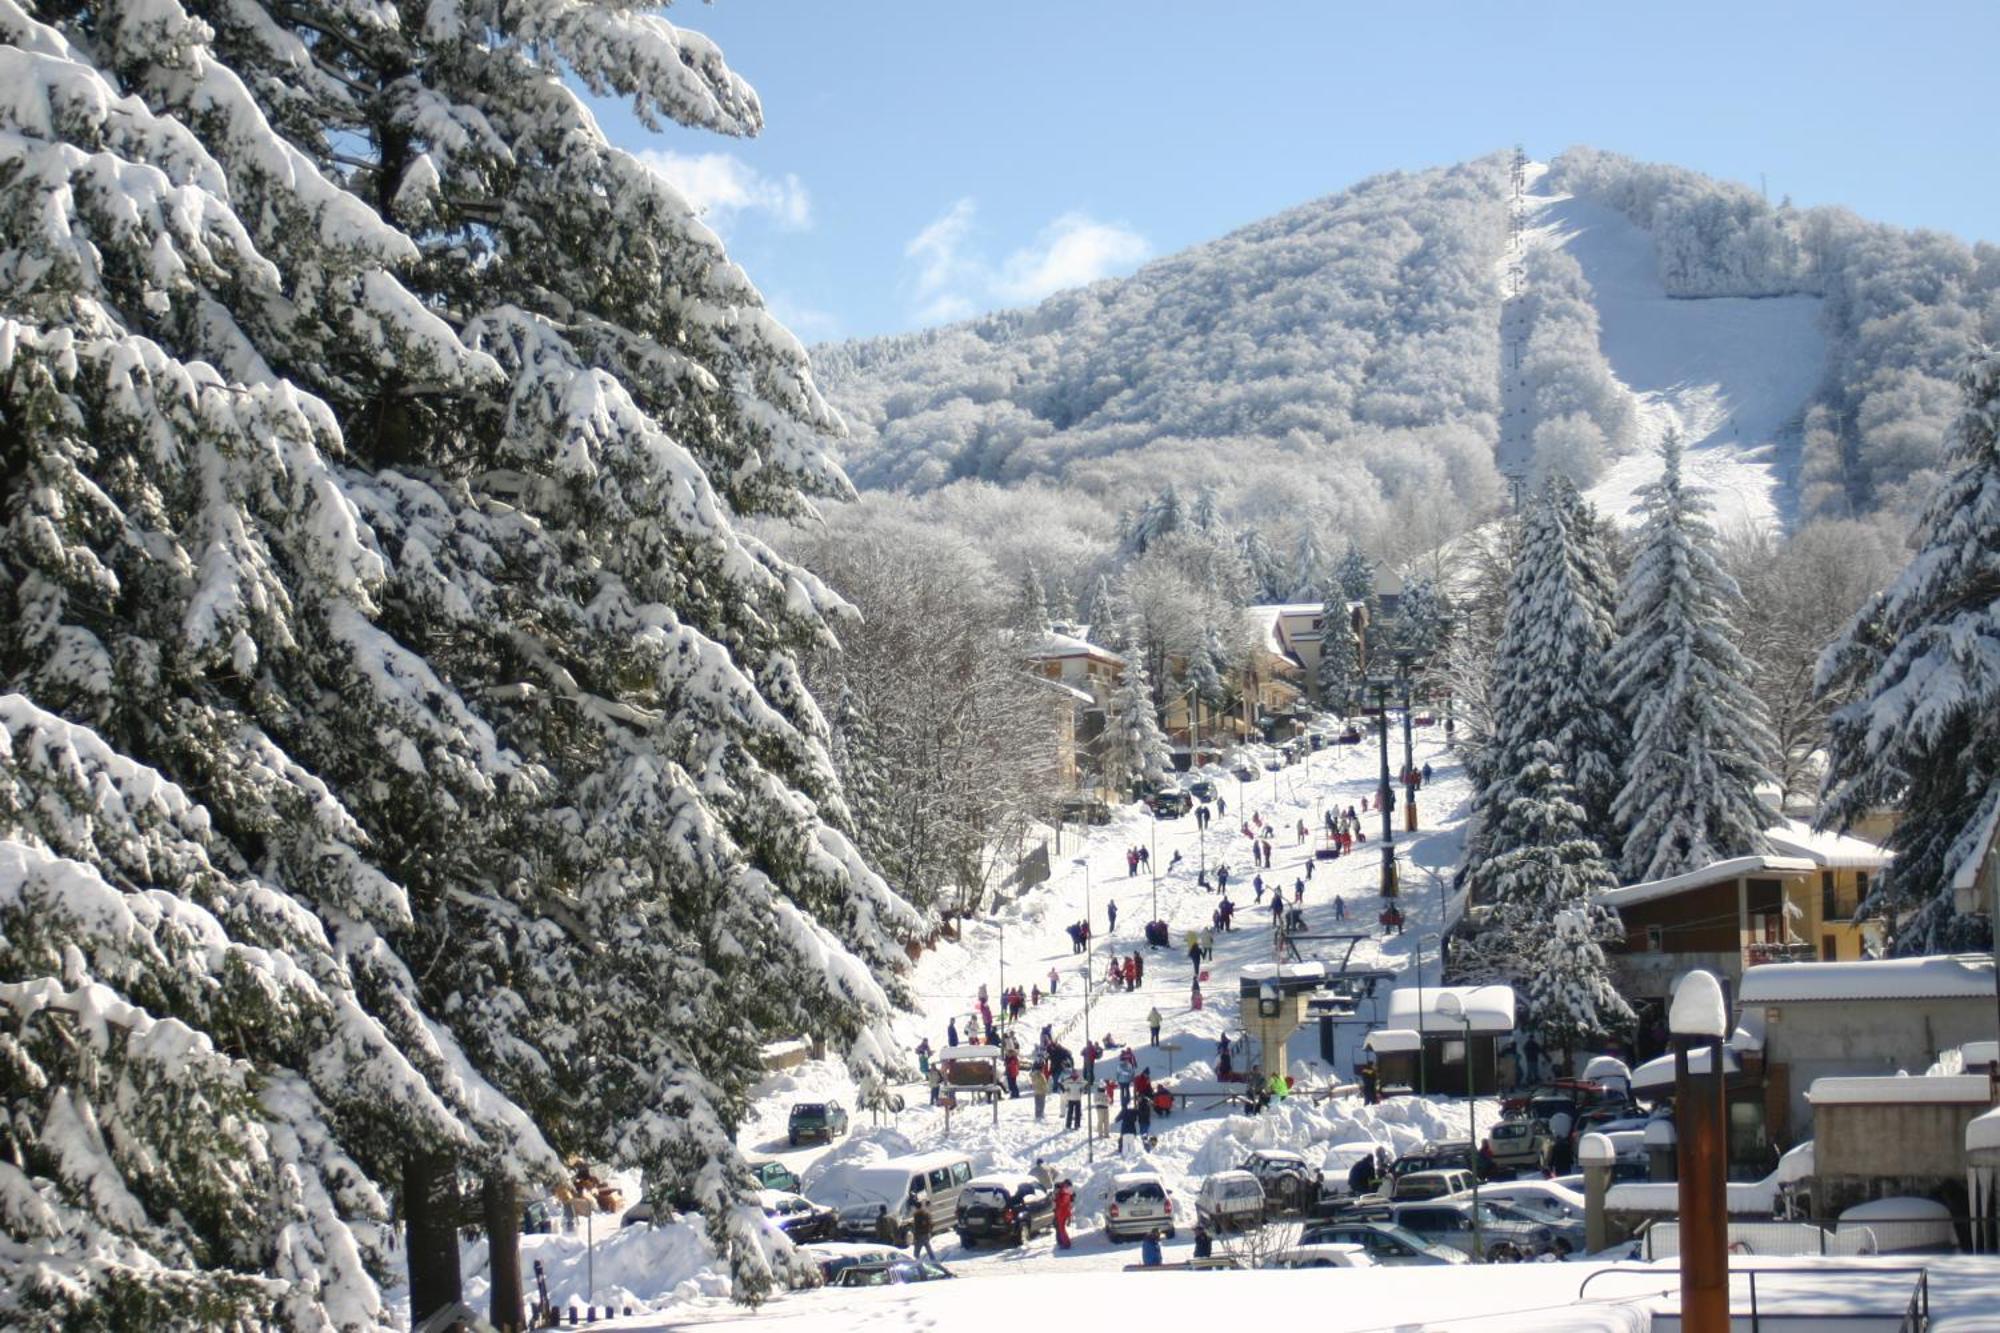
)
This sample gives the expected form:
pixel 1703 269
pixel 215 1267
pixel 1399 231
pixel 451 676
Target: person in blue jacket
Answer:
pixel 1149 1250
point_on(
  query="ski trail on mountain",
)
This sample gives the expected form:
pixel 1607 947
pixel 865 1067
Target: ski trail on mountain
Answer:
pixel 1731 374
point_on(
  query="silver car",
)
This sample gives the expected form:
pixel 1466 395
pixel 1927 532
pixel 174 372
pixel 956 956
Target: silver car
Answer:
pixel 1498 1239
pixel 1386 1243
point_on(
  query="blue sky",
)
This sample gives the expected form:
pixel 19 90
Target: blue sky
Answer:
pixel 924 161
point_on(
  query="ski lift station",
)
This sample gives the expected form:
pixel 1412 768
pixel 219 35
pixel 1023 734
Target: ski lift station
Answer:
pixel 1443 1038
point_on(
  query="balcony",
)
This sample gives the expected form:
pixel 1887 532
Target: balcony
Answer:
pixel 1761 952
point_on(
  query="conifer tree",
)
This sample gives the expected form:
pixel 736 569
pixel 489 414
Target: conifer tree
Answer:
pixel 1698 737
pixel 1133 748
pixel 1338 672
pixel 1102 613
pixel 1269 581
pixel 1310 566
pixel 1548 678
pixel 1923 660
pixel 1034 611
pixel 1356 576
pixel 1423 619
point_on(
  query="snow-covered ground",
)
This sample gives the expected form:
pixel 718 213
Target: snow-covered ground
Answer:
pixel 1731 374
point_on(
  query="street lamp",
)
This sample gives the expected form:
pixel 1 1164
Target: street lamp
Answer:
pixel 1450 1006
pixel 1381 688
pixel 1404 656
pixel 1699 1020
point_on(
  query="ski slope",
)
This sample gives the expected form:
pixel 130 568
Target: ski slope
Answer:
pixel 1731 374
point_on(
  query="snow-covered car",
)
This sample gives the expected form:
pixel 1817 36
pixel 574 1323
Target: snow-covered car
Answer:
pixel 798 1217
pixel 891 1275
pixel 1005 1206
pixel 834 1255
pixel 1290 1184
pixel 863 1193
pixel 1537 1196
pixel 1140 1205
pixel 1202 790
pixel 1386 1243
pixel 816 1120
pixel 1330 1254
pixel 1230 1201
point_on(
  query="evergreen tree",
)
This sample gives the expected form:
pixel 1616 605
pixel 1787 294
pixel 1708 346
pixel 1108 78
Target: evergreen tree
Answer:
pixel 1698 736
pixel 1269 581
pixel 1310 566
pixel 1356 576
pixel 433 588
pixel 1923 730
pixel 1548 870
pixel 1548 678
pixel 1338 673
pixel 1133 748
pixel 1208 669
pixel 1102 613
pixel 1423 619
pixel 1034 605
pixel 1203 514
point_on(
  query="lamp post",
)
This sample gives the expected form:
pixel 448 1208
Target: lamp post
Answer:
pixel 1404 657
pixel 1381 689
pixel 1699 1020
pixel 1449 1005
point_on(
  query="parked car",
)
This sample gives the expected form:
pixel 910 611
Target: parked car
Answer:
pixel 1437 1156
pixel 1139 1206
pixel 1520 1144
pixel 1430 1184
pixel 1328 1255
pixel 1386 1243
pixel 1500 1239
pixel 834 1255
pixel 1171 803
pixel 1202 790
pixel 776 1176
pixel 1230 1201
pixel 1290 1185
pixel 862 1192
pixel 800 1218
pixel 892 1274
pixel 816 1120
pixel 1242 769
pixel 1537 1196
pixel 1006 1206
pixel 1083 810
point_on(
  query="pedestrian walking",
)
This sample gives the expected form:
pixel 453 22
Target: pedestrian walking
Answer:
pixel 1153 1022
pixel 1065 1206
pixel 1072 1095
pixel 1299 890
pixel 1100 1111
pixel 1038 1083
pixel 920 1227
pixel 1110 917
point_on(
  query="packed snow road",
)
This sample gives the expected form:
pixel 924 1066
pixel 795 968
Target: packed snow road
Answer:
pixel 1027 940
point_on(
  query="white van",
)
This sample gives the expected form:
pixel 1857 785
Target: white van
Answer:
pixel 862 1192
pixel 1230 1201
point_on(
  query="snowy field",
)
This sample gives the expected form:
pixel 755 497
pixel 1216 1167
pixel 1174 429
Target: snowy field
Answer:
pixel 1731 374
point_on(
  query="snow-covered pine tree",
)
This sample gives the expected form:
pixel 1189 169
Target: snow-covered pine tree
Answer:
pixel 1034 604
pixel 1269 581
pixel 1338 672
pixel 1356 576
pixel 185 575
pixel 1310 566
pixel 1133 747
pixel 1548 870
pixel 1205 513
pixel 1423 619
pixel 1208 670
pixel 1923 731
pixel 567 547
pixel 1102 613
pixel 1699 742
pixel 1548 677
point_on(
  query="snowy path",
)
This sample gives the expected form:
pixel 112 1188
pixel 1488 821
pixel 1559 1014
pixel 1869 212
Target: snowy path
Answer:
pixel 1731 374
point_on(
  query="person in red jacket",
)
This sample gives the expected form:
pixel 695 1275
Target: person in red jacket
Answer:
pixel 1065 1207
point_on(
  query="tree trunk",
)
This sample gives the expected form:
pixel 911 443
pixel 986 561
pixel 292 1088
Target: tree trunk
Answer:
pixel 430 1219
pixel 501 1204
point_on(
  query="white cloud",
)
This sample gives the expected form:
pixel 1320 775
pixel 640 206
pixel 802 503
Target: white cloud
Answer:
pixel 949 280
pixel 722 186
pixel 1070 252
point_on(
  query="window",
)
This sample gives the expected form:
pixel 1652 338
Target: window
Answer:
pixel 941 1179
pixel 1860 885
pixel 1829 897
pixel 961 1173
pixel 1829 949
pixel 1655 939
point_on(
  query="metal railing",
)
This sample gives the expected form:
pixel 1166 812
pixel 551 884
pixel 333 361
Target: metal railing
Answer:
pixel 1915 1312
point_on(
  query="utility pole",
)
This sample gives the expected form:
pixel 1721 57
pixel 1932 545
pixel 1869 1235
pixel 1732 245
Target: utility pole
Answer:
pixel 1381 688
pixel 1404 656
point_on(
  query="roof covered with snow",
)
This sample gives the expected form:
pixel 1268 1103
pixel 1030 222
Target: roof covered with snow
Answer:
pixel 1949 976
pixel 1390 1040
pixel 1836 851
pixel 1313 971
pixel 1052 645
pixel 1982 838
pixel 1716 872
pixel 1984 1132
pixel 1657 1075
pixel 1868 1090
pixel 1490 1009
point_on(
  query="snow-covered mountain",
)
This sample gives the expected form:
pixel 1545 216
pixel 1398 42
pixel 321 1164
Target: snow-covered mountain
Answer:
pixel 1407 342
